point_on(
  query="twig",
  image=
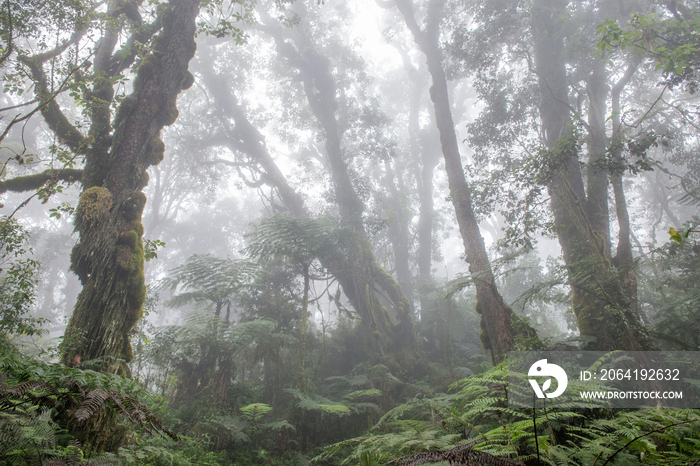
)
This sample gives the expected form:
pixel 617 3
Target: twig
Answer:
pixel 641 436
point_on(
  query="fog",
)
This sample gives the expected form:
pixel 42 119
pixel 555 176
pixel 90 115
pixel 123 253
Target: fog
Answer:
pixel 289 222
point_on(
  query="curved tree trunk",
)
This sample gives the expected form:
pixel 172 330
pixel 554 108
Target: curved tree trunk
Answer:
pixel 353 265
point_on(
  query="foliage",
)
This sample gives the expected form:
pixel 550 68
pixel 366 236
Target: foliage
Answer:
pixel 672 43
pixel 286 236
pixel 670 296
pixel 477 424
pixel 463 455
pixel 17 280
pixel 49 413
pixel 206 279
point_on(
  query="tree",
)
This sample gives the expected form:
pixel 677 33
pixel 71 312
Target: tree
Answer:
pixel 320 89
pixel 122 141
pixel 17 281
pixel 603 300
pixel 299 240
pixel 499 329
pixel 547 130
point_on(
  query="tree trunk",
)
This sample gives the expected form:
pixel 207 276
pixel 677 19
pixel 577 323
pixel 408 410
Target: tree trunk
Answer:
pixel 496 317
pixel 302 382
pixel 600 304
pixel 108 258
pixel 623 260
pixel 399 231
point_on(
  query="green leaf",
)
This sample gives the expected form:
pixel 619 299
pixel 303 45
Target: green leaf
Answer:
pixel 675 236
pixel 686 230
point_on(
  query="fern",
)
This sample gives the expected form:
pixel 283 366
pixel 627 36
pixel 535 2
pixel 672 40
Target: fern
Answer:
pixel 234 427
pixel 317 404
pixel 83 404
pixel 207 279
pixel 254 411
pixel 358 394
pixel 68 401
pixel 463 455
pixel 290 237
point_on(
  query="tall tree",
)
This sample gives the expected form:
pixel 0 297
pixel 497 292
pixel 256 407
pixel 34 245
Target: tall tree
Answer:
pixel 352 260
pixel 543 108
pixel 321 91
pixel 604 309
pixel 499 331
pixel 117 151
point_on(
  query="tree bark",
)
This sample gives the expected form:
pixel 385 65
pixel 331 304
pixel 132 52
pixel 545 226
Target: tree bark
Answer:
pixel 399 230
pixel 623 260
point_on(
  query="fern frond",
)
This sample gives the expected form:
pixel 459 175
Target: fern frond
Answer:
pixel 462 455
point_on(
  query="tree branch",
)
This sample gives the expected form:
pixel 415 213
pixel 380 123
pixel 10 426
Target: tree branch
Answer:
pixel 57 121
pixel 125 57
pixel 29 182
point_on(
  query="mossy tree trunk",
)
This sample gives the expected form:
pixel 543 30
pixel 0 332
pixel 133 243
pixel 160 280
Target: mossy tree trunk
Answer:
pixel 499 331
pixel 603 305
pixel 108 258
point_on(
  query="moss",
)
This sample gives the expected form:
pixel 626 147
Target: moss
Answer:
pixel 483 336
pixel 124 110
pixel 130 259
pixel 526 337
pixel 171 115
pixel 94 203
pixel 188 81
pixel 146 68
pixel 128 351
pixel 137 226
pixel 133 207
pixel 155 151
pixel 123 257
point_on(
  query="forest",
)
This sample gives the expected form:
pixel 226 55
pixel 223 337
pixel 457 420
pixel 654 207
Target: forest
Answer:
pixel 321 232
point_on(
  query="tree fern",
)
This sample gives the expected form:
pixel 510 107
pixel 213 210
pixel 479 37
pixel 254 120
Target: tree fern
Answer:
pixel 317 403
pixel 207 279
pixel 289 237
